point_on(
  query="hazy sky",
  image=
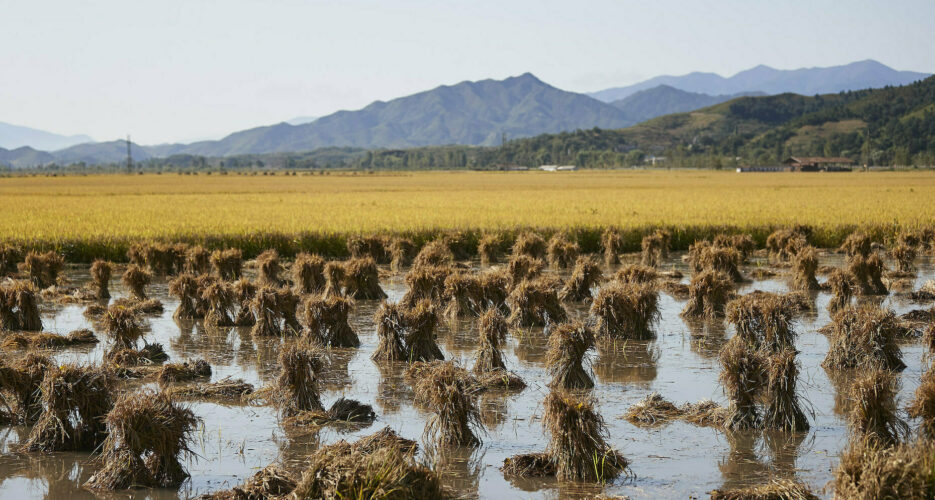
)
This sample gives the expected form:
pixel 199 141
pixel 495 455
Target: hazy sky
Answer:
pixel 172 70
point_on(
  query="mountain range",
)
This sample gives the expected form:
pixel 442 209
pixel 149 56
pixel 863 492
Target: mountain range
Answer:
pixel 16 136
pixel 483 113
pixel 806 81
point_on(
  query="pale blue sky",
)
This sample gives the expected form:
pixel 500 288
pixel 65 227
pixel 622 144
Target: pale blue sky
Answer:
pixel 183 69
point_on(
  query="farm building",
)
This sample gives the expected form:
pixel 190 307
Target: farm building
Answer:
pixel 818 163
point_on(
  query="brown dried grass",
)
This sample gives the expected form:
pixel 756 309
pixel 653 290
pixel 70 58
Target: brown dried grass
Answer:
pixel 148 434
pixel 567 346
pixel 626 311
pixel 578 444
pixel 586 275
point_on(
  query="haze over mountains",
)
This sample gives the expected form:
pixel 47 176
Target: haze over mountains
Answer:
pixel 480 113
pixel 16 136
pixel 806 81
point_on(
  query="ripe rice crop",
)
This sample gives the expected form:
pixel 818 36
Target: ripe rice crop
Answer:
pixel 87 217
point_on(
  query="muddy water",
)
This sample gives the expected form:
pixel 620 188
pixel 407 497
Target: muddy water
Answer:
pixel 673 461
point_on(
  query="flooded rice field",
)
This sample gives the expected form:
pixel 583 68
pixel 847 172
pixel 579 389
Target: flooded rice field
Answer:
pixel 676 460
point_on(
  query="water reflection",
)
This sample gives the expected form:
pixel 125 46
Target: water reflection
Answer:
pixel 630 361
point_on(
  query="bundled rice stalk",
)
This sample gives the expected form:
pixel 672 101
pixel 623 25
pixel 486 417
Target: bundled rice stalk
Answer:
pixel 43 269
pixel 531 245
pixel 612 244
pixel 578 444
pixel 434 254
pixel 220 298
pixel 19 308
pixel 586 275
pixel 421 321
pixel 401 250
pixel 308 273
pixel 523 267
pixel 867 272
pixel 763 320
pixel 21 380
pixel 492 328
pixel 922 405
pixel 10 256
pixel 783 411
pixel 636 274
pixel 856 244
pixel 720 259
pixel 626 311
pixel 864 337
pixel 529 465
pixel 705 413
pixel 288 302
pixel 185 287
pixel 463 295
pixel 296 388
pixel 135 278
pixel 367 246
pixel 567 346
pixel 742 379
pixel 100 278
pixel 873 414
pixel 224 390
pixel 775 489
pixel 651 411
pixel 198 260
pixel 842 287
pixel 362 280
pixel 183 372
pixel 743 243
pixel 869 471
pixel 708 294
pixel 425 282
pixel 490 249
pixel 228 263
pixel 149 354
pixel 805 265
pixel 269 269
pixel 244 292
pixel 122 325
pixel 327 323
pixel 562 252
pixel 48 340
pixel 391 326
pixel 462 244
pixel 75 400
pixel 383 470
pixel 654 248
pixel 9 317
pixel 904 255
pixel 266 311
pixel 783 244
pixel 536 303
pixel 451 393
pixel 494 284
pixel 148 434
pixel 270 482
pixel 334 279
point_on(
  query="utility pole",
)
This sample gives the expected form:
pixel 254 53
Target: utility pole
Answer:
pixel 129 157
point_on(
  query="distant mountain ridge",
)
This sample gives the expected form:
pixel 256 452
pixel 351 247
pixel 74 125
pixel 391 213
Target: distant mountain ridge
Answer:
pixel 17 136
pixel 481 113
pixel 471 113
pixel 805 81
pixel 665 100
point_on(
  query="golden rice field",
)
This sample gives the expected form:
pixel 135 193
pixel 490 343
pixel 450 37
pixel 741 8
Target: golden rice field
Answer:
pixel 101 214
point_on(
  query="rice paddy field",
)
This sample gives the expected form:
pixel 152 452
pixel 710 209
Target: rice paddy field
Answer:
pixel 735 336
pixel 85 217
